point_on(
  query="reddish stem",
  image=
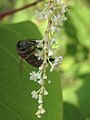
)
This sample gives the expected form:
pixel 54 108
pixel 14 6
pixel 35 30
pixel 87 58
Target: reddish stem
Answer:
pixel 10 12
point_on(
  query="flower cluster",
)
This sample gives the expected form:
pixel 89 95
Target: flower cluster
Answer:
pixel 54 9
pixel 37 77
pixel 54 13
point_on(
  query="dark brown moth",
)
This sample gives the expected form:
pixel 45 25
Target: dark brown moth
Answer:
pixel 26 49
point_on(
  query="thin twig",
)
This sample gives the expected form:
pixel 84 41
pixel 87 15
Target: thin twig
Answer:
pixel 10 12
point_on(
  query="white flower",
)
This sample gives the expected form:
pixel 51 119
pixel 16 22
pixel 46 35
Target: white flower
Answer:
pixel 39 43
pixel 39 54
pixel 43 111
pixel 52 42
pixel 39 15
pixel 44 76
pixel 56 63
pixel 55 29
pixel 41 82
pixel 34 76
pixel 34 94
pixel 46 16
pixel 49 81
pixel 50 53
pixel 38 116
pixel 57 1
pixel 45 92
pixel 53 12
pixel 38 112
pixel 40 101
pixel 58 58
pixel 63 8
pixel 40 106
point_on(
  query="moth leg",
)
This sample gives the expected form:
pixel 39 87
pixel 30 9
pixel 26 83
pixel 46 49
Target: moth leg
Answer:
pixel 20 67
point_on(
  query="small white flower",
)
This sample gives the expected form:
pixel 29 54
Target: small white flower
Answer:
pixel 58 60
pixel 43 111
pixel 58 1
pixel 40 101
pixel 41 82
pixel 40 68
pixel 46 16
pixel 63 8
pixel 40 97
pixel 38 112
pixel 40 106
pixel 39 43
pixel 50 53
pixel 52 42
pixel 38 116
pixel 49 81
pixel 60 57
pixel 39 54
pixel 44 77
pixel 34 76
pixel 53 29
pixel 45 92
pixel 56 63
pixel 34 94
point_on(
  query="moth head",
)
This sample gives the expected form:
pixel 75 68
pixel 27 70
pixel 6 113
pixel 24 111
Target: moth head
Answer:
pixel 25 45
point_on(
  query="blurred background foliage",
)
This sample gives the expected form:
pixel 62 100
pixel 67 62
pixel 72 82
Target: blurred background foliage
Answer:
pixel 73 45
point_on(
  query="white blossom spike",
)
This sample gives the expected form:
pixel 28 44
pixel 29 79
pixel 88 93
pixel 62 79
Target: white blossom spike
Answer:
pixel 54 12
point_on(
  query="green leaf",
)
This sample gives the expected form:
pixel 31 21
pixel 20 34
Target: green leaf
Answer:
pixel 71 112
pixel 84 94
pixel 16 102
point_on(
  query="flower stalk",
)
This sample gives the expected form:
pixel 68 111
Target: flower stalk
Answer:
pixel 54 13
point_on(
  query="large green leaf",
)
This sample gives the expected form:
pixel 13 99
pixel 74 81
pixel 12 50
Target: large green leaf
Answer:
pixel 71 112
pixel 84 94
pixel 16 102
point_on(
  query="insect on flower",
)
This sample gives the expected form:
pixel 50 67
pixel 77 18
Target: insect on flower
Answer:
pixel 27 49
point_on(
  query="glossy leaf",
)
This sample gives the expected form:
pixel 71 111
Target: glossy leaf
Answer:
pixel 16 102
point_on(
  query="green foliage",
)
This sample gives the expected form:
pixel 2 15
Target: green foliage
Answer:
pixel 75 67
pixel 74 42
pixel 71 112
pixel 16 102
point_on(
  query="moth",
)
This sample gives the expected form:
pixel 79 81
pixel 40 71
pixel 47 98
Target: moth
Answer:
pixel 26 50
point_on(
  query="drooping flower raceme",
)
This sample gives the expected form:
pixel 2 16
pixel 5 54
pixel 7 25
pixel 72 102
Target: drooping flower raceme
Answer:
pixel 54 13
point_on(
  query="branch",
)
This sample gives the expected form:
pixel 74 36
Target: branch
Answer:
pixel 10 12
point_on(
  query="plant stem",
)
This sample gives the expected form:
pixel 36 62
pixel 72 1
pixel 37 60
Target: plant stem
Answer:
pixel 10 12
